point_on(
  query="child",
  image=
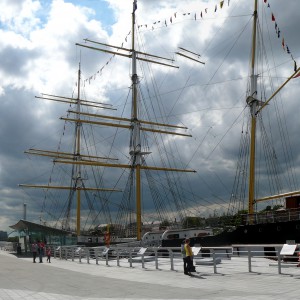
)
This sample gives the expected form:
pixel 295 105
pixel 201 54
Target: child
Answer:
pixel 48 252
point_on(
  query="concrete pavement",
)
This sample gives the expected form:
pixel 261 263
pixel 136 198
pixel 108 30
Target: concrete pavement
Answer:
pixel 62 279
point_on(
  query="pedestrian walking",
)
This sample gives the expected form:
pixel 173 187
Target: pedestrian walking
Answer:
pixel 189 256
pixel 34 249
pixel 41 250
pixel 48 252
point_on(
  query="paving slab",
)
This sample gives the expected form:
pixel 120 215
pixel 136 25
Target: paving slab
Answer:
pixel 66 279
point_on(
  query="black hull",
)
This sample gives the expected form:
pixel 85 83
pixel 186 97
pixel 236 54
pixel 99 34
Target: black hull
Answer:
pixel 266 233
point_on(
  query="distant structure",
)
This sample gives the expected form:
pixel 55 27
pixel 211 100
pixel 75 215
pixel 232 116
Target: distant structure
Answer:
pixel 3 236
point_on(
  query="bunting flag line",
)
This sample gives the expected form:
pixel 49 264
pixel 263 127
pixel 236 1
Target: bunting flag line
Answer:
pixel 99 72
pixel 283 42
pixel 196 15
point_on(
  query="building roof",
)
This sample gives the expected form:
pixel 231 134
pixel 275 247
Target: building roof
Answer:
pixel 23 225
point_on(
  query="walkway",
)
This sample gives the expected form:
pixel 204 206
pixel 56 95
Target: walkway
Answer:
pixel 21 279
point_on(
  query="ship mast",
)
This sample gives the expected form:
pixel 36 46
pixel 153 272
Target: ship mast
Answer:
pixel 135 141
pixel 253 104
pixel 255 108
pixel 77 155
pixel 134 124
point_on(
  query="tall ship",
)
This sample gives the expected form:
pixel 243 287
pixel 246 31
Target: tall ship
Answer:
pixel 133 162
pixel 88 208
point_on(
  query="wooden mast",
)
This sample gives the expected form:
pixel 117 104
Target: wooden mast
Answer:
pixel 255 108
pixel 78 167
pixel 76 157
pixel 134 124
pixel 135 147
pixel 253 103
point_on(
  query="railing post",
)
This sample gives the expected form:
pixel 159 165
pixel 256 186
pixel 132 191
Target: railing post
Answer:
pixel 106 258
pixel 88 255
pixel 73 253
pixel 171 259
pixel 156 258
pixel 143 261
pixel 118 258
pixel 214 260
pixel 79 252
pixel 249 260
pixel 60 253
pixel 130 258
pixel 279 262
pixel 96 255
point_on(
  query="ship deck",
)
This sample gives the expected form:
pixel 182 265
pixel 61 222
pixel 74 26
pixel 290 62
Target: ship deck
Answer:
pixel 66 279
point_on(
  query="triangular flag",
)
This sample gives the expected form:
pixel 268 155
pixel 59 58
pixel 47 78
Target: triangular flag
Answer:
pixel 297 75
pixel 221 4
pixel 273 18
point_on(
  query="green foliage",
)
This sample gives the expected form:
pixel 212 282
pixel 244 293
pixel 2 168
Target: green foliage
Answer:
pixel 191 222
pixel 164 224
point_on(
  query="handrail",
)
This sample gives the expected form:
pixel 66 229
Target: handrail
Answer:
pixel 158 255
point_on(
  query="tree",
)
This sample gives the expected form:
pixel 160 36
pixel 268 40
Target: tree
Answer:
pixel 190 222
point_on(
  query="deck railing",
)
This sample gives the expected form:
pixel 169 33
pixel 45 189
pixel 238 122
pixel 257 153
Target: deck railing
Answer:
pixel 271 216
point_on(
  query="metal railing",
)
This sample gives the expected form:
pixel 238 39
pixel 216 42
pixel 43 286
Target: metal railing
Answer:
pixel 271 216
pixel 212 257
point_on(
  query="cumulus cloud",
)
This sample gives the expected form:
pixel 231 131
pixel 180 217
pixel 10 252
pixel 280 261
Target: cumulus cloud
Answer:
pixel 38 43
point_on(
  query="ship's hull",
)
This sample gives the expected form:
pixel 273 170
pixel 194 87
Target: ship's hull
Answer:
pixel 266 233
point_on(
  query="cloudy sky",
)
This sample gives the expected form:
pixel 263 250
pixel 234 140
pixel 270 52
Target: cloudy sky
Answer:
pixel 39 55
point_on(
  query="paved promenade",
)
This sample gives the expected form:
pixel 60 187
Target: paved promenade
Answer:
pixel 61 279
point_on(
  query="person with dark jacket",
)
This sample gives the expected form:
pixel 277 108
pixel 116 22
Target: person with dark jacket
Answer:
pixel 41 249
